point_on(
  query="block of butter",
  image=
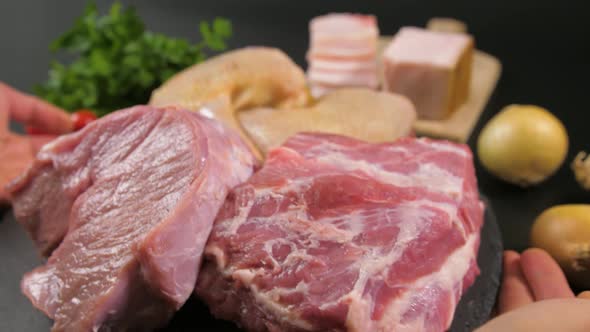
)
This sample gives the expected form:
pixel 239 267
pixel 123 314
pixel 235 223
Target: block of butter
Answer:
pixel 431 68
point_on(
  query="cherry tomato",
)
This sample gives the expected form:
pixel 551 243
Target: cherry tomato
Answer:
pixel 81 118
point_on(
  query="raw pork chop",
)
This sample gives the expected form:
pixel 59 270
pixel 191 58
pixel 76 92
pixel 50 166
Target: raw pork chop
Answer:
pixel 335 234
pixel 137 193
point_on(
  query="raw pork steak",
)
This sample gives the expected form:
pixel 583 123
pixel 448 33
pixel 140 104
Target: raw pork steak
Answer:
pixel 137 193
pixel 335 234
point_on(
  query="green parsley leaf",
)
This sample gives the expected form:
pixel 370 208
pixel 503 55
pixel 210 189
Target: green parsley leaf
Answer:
pixel 118 63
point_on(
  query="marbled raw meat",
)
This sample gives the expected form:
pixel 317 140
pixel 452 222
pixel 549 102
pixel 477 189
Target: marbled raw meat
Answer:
pixel 335 234
pixel 133 196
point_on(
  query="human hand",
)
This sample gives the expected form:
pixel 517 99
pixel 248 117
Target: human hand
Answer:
pixel 17 151
pixel 535 296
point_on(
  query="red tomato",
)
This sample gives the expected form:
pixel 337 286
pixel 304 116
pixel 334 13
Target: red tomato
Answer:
pixel 81 118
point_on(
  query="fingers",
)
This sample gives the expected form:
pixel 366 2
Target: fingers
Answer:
pixel 544 276
pixel 3 114
pixel 15 157
pixel 32 111
pixel 544 316
pixel 532 276
pixel 38 141
pixel 584 295
pixel 514 292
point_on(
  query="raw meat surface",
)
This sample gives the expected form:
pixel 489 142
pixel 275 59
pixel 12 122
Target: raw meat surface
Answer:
pixel 355 112
pixel 335 234
pixel 133 196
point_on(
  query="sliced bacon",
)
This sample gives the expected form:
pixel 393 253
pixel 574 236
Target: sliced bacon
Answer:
pixel 352 65
pixel 342 53
pixel 344 78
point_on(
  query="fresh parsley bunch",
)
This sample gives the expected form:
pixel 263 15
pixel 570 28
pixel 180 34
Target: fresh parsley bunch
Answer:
pixel 119 62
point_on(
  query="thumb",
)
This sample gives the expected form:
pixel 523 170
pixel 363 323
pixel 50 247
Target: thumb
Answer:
pixel 38 141
pixel 32 111
pixel 4 116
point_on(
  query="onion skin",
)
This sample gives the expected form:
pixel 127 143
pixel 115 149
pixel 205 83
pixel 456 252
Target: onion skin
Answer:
pixel 523 145
pixel 564 232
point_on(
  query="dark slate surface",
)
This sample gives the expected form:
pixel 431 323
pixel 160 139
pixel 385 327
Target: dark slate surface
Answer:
pixel 476 305
pixel 17 256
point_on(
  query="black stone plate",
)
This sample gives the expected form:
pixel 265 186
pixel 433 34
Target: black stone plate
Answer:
pixel 17 256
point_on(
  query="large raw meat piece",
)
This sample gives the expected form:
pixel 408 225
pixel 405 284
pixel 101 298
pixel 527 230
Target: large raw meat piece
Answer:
pixel 335 234
pixel 133 196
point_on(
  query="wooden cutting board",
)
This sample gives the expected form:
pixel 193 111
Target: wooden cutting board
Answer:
pixel 458 127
